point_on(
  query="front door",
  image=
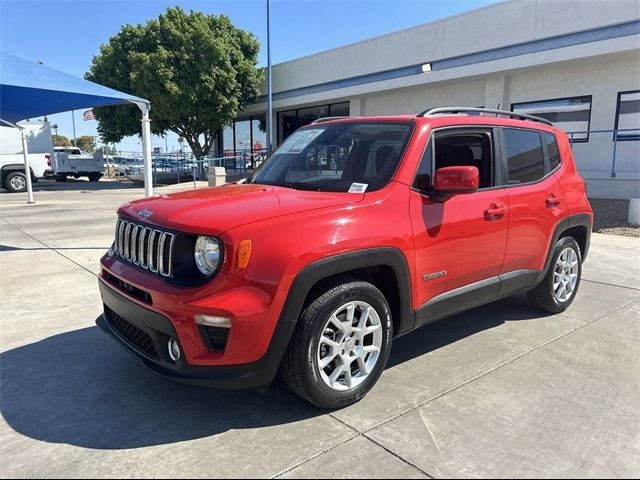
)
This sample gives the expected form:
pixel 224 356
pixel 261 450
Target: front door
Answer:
pixel 460 242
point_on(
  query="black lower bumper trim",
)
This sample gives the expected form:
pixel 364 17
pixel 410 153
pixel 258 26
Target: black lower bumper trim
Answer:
pixel 160 329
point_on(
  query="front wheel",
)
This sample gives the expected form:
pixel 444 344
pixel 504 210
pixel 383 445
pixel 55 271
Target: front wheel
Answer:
pixel 94 177
pixel 341 345
pixel 560 285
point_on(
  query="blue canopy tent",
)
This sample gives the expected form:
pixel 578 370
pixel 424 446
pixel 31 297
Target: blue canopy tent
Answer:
pixel 28 90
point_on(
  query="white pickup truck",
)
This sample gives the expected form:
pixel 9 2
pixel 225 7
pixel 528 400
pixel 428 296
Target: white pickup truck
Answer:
pixel 12 173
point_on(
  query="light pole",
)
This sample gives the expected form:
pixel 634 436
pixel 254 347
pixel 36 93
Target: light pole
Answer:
pixel 73 120
pixel 269 102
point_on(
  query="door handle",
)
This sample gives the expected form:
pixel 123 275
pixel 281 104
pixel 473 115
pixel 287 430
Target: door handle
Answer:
pixel 495 212
pixel 553 201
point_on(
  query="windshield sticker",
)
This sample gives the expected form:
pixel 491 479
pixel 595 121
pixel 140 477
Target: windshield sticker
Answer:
pixel 358 187
pixel 298 141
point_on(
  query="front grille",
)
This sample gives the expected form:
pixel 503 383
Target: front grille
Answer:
pixel 134 335
pixel 127 287
pixel 145 247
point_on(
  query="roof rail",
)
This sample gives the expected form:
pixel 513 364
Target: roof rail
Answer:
pixel 328 119
pixel 521 116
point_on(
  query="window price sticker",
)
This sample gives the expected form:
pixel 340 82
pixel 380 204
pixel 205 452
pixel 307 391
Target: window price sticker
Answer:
pixel 298 141
pixel 358 187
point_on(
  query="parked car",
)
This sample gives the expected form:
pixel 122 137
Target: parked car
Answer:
pixel 354 232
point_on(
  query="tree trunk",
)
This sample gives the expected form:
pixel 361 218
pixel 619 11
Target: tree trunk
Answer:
pixel 199 150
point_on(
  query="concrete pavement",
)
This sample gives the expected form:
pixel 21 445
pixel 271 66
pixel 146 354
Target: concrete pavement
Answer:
pixel 495 392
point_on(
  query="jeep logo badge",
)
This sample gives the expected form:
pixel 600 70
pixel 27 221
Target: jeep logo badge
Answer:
pixel 146 213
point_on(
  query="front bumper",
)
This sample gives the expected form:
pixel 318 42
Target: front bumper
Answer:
pixel 153 352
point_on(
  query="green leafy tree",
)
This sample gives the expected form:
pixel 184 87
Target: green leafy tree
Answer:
pixel 197 71
pixel 86 143
pixel 60 141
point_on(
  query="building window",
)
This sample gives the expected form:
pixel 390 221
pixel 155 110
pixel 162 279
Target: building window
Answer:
pixel 339 109
pixel 569 114
pixel 244 139
pixel 289 121
pixel 628 115
pixel 525 161
pixel 259 133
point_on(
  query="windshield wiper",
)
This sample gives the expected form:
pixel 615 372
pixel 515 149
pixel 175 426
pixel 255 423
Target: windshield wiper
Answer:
pixel 301 186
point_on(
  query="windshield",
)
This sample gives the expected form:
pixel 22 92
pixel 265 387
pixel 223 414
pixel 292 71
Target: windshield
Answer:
pixel 342 157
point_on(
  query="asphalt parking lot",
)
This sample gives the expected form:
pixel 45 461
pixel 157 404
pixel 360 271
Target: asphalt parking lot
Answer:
pixel 498 391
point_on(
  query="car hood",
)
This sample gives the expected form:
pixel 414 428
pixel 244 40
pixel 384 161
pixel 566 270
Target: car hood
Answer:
pixel 215 210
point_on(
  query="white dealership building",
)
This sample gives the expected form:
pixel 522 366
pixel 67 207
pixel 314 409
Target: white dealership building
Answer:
pixel 575 62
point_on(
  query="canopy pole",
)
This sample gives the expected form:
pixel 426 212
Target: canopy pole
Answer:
pixel 27 170
pixel 146 149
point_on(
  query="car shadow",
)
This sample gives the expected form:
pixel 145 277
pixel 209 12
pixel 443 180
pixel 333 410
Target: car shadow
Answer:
pixel 460 326
pixel 80 388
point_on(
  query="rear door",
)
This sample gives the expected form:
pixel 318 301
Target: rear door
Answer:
pixel 536 200
pixel 460 242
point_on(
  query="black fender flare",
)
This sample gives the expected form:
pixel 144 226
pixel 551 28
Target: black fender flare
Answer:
pixel 344 263
pixel 325 268
pixel 577 220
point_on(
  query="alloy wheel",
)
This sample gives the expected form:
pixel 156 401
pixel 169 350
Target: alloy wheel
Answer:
pixel 565 275
pixel 349 346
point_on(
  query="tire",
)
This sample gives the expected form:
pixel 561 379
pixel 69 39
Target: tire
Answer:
pixel 16 182
pixel 61 178
pixel 94 177
pixel 300 369
pixel 565 270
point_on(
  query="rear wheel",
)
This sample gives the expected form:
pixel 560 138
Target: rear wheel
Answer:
pixel 341 345
pixel 16 182
pixel 560 285
pixel 94 177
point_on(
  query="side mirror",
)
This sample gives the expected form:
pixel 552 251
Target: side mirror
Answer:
pixel 452 180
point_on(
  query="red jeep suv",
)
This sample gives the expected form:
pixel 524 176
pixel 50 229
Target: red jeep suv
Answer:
pixel 354 232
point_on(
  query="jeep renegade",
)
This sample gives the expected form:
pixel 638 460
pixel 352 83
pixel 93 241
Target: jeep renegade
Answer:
pixel 354 232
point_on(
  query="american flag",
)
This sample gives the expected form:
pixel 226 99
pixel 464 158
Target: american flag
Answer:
pixel 88 115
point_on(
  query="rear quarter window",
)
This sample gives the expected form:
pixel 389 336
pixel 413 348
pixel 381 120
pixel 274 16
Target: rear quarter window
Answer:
pixel 525 160
pixel 552 148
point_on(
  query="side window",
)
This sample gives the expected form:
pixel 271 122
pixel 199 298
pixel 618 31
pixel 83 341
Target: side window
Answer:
pixel 552 148
pixel 422 181
pixel 466 148
pixel 525 162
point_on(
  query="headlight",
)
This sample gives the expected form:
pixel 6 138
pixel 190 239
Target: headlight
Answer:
pixel 207 254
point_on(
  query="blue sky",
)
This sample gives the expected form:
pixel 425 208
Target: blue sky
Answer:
pixel 66 34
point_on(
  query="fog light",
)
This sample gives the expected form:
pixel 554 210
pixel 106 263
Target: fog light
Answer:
pixel 213 321
pixel 174 350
